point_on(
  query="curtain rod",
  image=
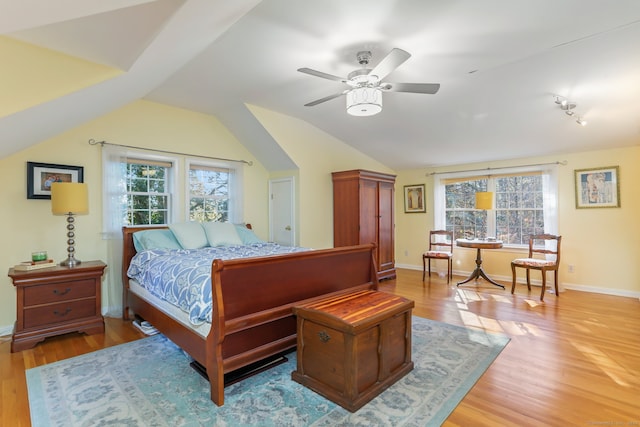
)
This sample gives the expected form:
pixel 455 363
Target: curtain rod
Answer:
pixel 103 143
pixel 562 163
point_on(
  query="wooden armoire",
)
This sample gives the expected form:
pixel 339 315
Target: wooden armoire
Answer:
pixel 363 213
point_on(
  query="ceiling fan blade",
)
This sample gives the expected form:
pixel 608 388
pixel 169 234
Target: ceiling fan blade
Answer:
pixel 321 74
pixel 393 60
pixel 326 98
pixel 429 88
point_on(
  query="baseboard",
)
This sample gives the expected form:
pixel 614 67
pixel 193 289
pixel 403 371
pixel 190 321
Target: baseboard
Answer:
pixel 6 331
pixel 537 282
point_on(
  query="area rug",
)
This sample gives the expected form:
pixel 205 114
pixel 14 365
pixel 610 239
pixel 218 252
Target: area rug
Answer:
pixel 149 383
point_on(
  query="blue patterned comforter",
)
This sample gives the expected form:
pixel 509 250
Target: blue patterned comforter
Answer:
pixel 182 277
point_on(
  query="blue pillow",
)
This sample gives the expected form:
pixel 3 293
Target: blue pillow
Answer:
pixel 221 234
pixel 190 235
pixel 155 239
pixel 247 235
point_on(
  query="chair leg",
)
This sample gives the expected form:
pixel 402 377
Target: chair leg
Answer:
pixel 528 279
pixel 429 267
pixel 424 267
pixel 544 284
pixel 450 270
pixel 513 277
pixel 555 280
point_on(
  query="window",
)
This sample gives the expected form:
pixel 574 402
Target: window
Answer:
pixel 525 204
pixel 148 192
pixel 209 189
pixel 461 216
pixel 519 208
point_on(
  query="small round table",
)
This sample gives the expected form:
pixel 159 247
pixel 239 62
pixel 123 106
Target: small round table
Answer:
pixel 479 245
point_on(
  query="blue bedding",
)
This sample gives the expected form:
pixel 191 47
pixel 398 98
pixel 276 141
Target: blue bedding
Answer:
pixel 182 277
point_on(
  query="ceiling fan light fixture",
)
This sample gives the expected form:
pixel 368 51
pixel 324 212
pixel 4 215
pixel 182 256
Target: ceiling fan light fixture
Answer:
pixel 364 101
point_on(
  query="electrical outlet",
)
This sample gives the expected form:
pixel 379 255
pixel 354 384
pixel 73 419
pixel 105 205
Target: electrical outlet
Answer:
pixel 571 268
pixel 406 252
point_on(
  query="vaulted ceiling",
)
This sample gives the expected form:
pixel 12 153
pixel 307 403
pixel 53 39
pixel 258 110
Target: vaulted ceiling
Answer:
pixel 500 65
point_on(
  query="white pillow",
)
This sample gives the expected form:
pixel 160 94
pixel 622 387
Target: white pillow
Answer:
pixel 190 235
pixel 221 234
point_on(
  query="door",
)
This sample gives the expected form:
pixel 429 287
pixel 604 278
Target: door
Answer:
pixel 281 211
pixel 386 259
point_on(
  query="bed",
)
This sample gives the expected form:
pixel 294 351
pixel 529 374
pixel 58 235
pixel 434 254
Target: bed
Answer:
pixel 252 300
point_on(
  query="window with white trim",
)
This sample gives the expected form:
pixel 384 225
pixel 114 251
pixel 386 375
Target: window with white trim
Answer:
pixel 209 193
pixel 525 204
pixel 148 192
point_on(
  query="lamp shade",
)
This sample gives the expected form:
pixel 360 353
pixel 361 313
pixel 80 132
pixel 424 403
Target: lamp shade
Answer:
pixel 69 197
pixel 484 200
pixel 364 101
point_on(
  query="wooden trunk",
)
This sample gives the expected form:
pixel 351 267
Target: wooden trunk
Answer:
pixel 363 213
pixel 351 348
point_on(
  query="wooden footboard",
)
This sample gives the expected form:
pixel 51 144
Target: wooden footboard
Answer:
pixel 253 300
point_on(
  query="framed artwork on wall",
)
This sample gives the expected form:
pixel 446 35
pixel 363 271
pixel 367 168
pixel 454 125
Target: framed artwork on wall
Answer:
pixel 598 188
pixel 40 176
pixel 414 198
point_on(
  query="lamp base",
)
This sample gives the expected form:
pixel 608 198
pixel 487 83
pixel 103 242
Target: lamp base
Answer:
pixel 70 262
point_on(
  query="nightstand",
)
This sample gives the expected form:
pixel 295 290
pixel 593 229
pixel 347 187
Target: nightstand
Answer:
pixel 57 300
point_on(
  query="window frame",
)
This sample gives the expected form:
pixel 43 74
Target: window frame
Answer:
pixel 133 195
pixel 234 214
pixel 549 188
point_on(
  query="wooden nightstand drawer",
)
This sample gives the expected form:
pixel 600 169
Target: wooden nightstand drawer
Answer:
pixel 57 313
pixel 57 292
pixel 56 300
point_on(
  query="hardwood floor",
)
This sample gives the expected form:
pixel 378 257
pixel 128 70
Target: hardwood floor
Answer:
pixel 572 360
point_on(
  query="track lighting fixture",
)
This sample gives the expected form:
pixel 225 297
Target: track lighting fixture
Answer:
pixel 568 107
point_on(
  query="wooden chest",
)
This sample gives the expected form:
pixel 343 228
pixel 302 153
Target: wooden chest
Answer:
pixel 353 347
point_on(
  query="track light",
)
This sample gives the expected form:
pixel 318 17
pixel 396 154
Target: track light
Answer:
pixel 568 107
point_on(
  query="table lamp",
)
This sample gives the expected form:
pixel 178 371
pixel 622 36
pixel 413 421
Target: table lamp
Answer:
pixel 69 198
pixel 484 200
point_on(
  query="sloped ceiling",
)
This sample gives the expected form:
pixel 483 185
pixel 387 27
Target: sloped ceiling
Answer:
pixel 500 65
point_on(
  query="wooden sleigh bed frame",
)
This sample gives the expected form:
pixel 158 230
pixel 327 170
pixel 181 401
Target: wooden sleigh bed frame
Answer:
pixel 253 299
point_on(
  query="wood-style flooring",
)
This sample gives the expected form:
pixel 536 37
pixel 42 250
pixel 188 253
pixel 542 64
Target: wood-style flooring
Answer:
pixel 572 360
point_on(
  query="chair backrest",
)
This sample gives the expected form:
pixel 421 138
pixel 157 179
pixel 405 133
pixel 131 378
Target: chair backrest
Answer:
pixel 441 240
pixel 547 245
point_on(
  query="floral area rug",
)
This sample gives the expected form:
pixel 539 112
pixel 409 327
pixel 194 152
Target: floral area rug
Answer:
pixel 149 383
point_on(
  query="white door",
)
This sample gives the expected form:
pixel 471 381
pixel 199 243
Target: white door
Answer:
pixel 281 211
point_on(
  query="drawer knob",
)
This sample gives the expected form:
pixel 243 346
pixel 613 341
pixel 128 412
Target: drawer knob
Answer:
pixel 57 313
pixel 324 336
pixel 57 292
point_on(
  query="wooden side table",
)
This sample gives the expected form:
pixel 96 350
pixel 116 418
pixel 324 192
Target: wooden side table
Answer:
pixel 57 300
pixel 479 244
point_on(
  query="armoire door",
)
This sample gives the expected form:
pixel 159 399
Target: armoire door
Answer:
pixel 386 253
pixel 369 213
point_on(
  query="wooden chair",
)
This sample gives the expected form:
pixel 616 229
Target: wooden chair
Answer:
pixel 440 247
pixel 544 255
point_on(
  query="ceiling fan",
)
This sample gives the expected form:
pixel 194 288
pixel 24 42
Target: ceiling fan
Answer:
pixel 364 95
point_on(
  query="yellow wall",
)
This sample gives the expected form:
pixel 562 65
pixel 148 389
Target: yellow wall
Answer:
pixel 601 244
pixel 31 75
pixel 316 154
pixel 28 225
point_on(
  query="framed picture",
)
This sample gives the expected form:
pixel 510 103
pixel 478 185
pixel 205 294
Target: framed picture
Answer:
pixel 40 176
pixel 414 198
pixel 598 188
